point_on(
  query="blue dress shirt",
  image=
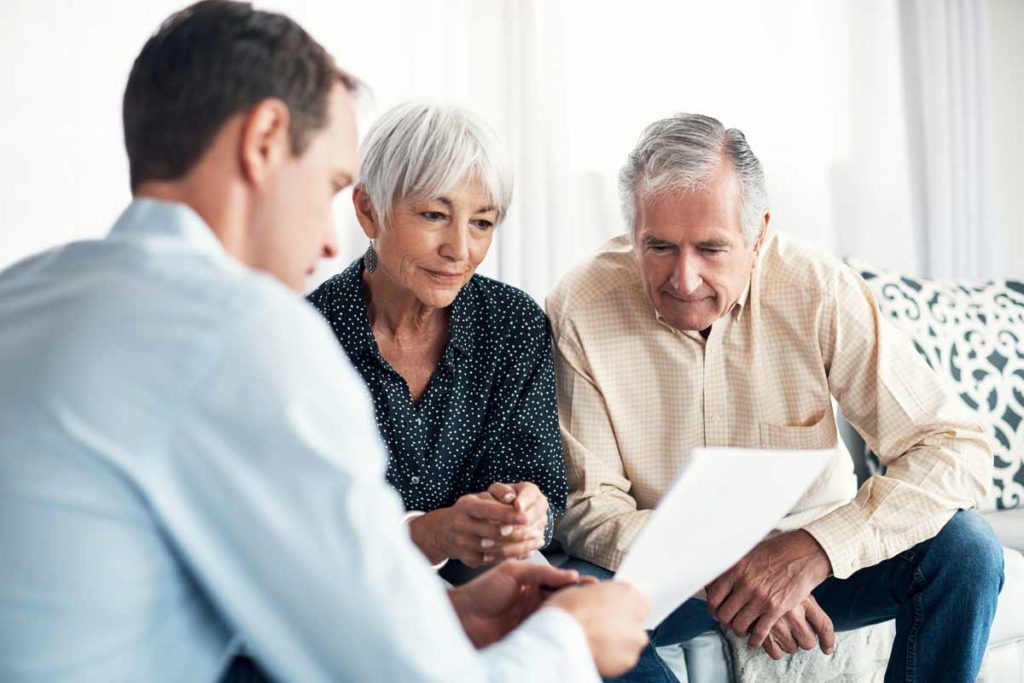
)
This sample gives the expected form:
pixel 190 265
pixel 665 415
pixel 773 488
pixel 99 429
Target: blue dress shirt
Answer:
pixel 187 464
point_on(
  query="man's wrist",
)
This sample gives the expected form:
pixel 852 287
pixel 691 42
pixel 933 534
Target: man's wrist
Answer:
pixel 822 563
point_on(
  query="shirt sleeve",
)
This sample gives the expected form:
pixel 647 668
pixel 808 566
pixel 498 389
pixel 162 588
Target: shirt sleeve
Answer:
pixel 272 490
pixel 526 445
pixel 601 520
pixel 937 458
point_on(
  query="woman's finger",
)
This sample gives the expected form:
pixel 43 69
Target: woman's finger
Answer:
pixel 527 495
pixel 482 531
pixel 484 507
pixel 502 493
pixel 516 550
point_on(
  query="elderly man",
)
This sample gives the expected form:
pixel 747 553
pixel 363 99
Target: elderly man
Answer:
pixel 704 328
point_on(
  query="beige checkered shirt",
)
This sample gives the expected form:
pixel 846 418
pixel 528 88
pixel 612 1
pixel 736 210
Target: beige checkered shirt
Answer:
pixel 636 396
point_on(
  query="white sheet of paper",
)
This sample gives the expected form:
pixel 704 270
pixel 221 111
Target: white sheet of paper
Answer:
pixel 722 503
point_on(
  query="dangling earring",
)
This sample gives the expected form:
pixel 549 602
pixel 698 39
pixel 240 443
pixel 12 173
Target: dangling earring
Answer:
pixel 370 259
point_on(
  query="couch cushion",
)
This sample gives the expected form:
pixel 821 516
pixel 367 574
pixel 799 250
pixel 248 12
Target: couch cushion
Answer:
pixel 972 333
pixel 1009 528
pixel 1008 625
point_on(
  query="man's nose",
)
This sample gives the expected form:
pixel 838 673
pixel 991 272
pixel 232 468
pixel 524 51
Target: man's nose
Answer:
pixel 686 277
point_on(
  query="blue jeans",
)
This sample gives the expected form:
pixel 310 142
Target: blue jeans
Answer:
pixel 942 594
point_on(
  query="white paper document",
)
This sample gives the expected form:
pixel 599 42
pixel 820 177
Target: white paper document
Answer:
pixel 723 502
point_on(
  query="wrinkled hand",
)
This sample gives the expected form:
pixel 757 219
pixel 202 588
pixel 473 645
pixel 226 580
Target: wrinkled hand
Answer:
pixel 769 582
pixel 496 602
pixel 612 614
pixel 803 627
pixel 469 531
pixel 527 499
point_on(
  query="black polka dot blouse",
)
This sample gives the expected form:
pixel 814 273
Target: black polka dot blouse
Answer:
pixel 489 412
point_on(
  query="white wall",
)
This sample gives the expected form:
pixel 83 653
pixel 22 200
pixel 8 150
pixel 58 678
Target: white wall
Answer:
pixel 1006 23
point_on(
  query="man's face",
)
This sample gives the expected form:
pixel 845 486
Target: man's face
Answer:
pixel 293 220
pixel 691 251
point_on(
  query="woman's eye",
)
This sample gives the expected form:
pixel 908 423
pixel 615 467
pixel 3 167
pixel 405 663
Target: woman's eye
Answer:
pixel 482 224
pixel 433 215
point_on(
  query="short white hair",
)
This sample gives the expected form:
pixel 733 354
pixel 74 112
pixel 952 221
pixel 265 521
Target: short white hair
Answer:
pixel 424 149
pixel 682 152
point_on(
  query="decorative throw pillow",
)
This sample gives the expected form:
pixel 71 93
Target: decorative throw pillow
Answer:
pixel 973 334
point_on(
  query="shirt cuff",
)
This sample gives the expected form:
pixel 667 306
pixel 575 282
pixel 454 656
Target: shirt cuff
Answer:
pixel 847 539
pixel 413 514
pixel 560 637
pixel 852 542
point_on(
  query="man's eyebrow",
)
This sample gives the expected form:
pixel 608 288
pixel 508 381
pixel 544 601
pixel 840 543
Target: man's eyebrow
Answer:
pixel 652 240
pixel 714 243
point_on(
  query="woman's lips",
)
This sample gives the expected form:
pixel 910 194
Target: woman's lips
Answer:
pixel 444 276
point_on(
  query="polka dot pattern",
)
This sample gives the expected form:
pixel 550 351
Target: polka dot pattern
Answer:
pixel 489 412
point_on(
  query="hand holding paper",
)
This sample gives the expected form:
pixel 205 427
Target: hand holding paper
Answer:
pixel 723 502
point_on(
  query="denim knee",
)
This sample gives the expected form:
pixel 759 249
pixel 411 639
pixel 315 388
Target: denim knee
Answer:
pixel 968 549
pixel 588 569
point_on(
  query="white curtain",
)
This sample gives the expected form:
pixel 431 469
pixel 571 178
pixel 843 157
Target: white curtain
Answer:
pixel 569 84
pixel 946 61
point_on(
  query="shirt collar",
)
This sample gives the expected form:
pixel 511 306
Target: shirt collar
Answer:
pixel 460 335
pixel 147 218
pixel 350 291
pixel 741 303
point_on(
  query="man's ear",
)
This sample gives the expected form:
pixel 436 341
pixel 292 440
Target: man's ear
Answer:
pixel 764 231
pixel 364 212
pixel 265 141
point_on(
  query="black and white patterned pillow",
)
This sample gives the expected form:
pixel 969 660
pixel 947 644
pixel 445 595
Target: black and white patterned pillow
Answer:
pixel 972 333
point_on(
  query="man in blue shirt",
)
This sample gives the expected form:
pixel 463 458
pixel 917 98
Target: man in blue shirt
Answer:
pixel 189 468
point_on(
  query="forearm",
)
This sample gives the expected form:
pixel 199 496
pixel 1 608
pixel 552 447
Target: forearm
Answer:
pixel 894 512
pixel 601 529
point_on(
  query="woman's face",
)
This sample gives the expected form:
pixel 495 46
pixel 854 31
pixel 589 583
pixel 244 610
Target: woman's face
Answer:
pixel 433 246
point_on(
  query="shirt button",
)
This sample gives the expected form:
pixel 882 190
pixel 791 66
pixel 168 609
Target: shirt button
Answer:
pixel 415 480
pixel 714 418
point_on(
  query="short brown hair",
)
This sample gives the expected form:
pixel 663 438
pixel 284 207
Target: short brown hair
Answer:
pixel 209 62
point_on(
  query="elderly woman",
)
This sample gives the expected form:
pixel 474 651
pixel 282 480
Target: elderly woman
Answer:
pixel 459 365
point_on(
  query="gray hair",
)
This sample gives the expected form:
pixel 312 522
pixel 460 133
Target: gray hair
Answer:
pixel 422 149
pixel 681 152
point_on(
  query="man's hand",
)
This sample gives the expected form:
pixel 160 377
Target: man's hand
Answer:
pixel 803 627
pixel 470 530
pixel 612 614
pixel 527 499
pixel 770 581
pixel 493 604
